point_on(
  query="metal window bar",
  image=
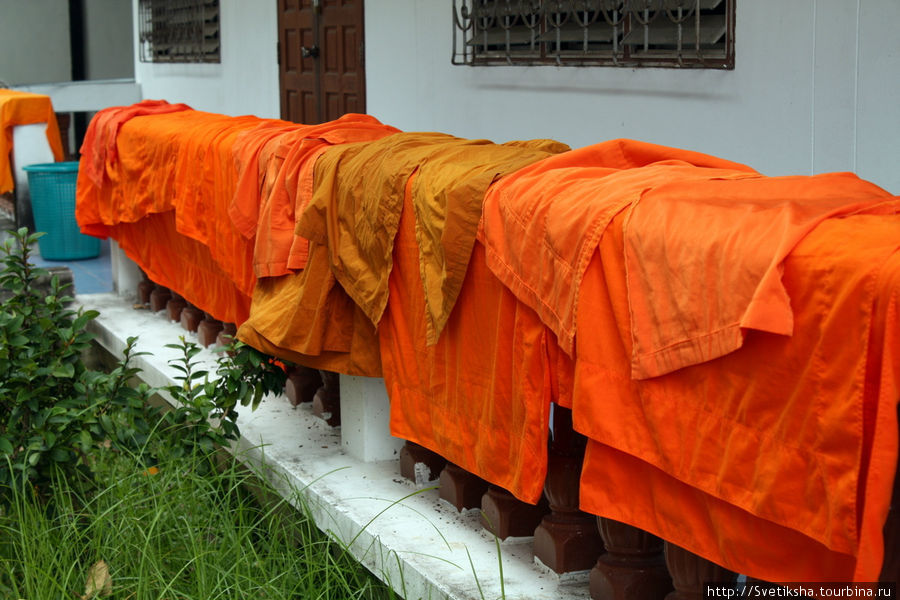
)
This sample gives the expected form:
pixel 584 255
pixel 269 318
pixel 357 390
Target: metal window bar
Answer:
pixel 628 33
pixel 179 31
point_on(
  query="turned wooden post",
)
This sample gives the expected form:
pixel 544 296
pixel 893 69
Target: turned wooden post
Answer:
pixel 191 317
pixel 689 573
pixel 461 488
pixel 567 539
pixel 419 464
pixel 208 329
pixel 226 336
pixel 301 384
pixel 159 297
pixel 327 401
pixel 174 307
pixel 505 516
pixel 633 567
pixel 144 289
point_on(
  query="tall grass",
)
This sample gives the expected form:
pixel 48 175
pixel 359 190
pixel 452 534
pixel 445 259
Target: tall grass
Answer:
pixel 176 534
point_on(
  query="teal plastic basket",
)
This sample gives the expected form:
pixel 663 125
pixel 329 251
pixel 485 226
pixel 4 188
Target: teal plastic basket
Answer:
pixel 52 187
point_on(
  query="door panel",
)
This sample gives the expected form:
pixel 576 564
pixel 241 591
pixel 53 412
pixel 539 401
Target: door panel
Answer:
pixel 321 59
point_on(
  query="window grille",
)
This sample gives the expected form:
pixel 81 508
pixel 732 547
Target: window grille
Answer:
pixel 179 31
pixel 622 33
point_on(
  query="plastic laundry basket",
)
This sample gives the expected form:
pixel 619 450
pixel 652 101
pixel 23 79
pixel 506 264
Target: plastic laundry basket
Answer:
pixel 52 187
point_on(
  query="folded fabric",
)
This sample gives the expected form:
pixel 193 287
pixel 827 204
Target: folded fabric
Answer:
pixel 541 225
pixel 480 397
pixel 790 442
pixel 99 145
pixel 23 108
pixel 704 259
pixel 275 184
pixel 356 206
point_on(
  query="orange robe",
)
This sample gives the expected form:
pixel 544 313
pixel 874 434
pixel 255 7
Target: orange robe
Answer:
pixel 23 108
pixel 776 460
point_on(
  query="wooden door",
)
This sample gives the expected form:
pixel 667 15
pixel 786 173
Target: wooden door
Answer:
pixel 321 59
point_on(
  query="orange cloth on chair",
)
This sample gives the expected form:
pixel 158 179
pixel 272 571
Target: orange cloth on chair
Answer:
pixel 356 206
pixel 541 225
pixel 23 108
pixel 778 459
pixel 480 397
pixel 704 260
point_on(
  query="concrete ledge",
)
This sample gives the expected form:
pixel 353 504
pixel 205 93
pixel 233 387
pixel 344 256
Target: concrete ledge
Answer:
pixel 405 535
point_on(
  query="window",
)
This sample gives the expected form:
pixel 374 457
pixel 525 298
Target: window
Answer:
pixel 179 31
pixel 623 33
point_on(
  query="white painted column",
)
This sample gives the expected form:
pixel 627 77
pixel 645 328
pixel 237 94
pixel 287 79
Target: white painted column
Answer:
pixel 365 420
pixel 125 273
pixel 30 146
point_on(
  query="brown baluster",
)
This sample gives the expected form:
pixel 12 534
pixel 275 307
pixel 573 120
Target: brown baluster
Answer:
pixel 191 317
pixel 505 516
pixel 327 401
pixel 461 488
pixel 174 307
pixel 226 336
pixel 689 573
pixel 567 539
pixel 144 288
pixel 159 297
pixel 633 567
pixel 419 464
pixel 302 384
pixel 208 329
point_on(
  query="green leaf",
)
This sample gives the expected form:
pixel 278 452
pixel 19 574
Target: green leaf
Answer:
pixel 6 446
pixel 66 370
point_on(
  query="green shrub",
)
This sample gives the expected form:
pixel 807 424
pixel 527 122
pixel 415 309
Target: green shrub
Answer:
pixel 55 413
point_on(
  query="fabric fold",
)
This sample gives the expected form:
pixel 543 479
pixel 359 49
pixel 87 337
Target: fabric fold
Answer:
pixel 355 211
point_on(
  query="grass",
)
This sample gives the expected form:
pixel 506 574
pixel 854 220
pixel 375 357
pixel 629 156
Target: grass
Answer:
pixel 177 534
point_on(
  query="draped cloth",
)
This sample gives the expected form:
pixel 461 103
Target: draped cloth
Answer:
pixel 778 459
pixel 356 205
pixel 23 108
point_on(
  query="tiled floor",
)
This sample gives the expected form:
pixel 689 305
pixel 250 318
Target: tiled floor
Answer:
pixel 92 276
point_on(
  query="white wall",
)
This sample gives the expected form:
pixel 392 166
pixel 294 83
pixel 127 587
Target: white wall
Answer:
pixel 245 82
pixel 34 41
pixel 796 102
pixel 108 43
pixel 815 88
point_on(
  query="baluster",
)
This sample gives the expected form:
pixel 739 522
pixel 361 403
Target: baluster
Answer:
pixel 633 567
pixel 208 329
pixel 689 573
pixel 567 539
pixel 159 297
pixel 419 464
pixel 461 488
pixel 174 307
pixel 191 317
pixel 226 336
pixel 327 401
pixel 302 384
pixel 505 516
pixel 144 288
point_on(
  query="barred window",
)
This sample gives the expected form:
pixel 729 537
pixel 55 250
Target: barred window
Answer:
pixel 622 33
pixel 179 31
